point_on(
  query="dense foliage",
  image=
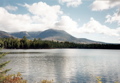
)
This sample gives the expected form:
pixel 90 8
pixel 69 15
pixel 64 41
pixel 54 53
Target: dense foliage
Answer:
pixel 24 43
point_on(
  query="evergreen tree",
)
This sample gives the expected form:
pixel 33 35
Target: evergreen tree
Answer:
pixel 2 70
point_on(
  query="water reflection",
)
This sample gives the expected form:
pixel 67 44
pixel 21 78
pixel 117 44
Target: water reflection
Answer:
pixel 67 65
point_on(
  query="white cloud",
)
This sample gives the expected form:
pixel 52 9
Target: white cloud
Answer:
pixel 94 26
pixel 73 3
pixel 42 17
pixel 98 5
pixel 44 13
pixel 113 18
pixel 18 22
pixel 11 8
pixel 12 22
pixel 66 23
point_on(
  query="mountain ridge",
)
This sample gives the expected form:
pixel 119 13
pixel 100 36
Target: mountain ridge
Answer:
pixel 52 35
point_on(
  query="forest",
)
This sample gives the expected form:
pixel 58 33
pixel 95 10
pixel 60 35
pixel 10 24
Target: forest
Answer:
pixel 24 43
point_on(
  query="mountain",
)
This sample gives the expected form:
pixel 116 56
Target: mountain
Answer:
pixel 4 34
pixel 52 34
pixel 60 35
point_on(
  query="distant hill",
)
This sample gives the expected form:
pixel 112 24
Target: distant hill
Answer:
pixel 4 34
pixel 53 35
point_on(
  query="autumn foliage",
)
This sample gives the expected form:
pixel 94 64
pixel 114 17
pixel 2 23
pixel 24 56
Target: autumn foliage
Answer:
pixel 14 78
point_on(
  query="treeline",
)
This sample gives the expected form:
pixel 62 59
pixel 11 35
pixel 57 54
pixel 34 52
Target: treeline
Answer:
pixel 24 43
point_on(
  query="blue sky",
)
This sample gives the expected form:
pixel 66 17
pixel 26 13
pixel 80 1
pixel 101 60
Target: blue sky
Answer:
pixel 93 19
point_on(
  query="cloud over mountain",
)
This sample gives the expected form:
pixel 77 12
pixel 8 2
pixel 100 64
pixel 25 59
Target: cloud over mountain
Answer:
pixel 66 23
pixel 44 14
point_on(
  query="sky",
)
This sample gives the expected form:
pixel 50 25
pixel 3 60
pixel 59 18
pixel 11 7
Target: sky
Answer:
pixel 97 20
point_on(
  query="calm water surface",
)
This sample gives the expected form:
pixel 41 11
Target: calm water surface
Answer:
pixel 65 65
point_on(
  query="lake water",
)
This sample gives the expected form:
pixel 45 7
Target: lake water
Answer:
pixel 65 65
